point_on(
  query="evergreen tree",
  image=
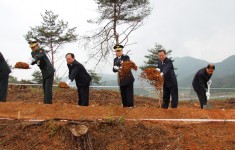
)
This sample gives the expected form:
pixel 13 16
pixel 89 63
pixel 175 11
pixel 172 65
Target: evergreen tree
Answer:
pixel 37 76
pixel 152 58
pixel 57 79
pixel 13 79
pixel 52 33
pixel 95 78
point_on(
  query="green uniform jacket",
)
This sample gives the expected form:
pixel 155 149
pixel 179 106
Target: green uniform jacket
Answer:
pixel 43 63
pixel 4 68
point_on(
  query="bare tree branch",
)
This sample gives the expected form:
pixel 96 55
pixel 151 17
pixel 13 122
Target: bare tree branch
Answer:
pixel 120 18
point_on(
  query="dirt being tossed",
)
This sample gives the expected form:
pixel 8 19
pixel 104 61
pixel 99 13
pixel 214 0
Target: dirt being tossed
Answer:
pixel 63 85
pixel 126 68
pixel 153 77
pixel 22 65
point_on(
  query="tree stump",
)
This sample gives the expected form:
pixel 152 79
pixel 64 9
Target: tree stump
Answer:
pixel 81 136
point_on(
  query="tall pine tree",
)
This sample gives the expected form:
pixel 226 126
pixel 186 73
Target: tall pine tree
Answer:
pixel 117 20
pixel 52 33
pixel 152 58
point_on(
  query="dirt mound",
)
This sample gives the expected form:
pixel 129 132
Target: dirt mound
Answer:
pixel 110 126
pixel 63 85
pixel 22 65
pixel 112 135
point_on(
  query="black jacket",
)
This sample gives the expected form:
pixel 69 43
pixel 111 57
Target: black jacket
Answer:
pixel 200 80
pixel 79 73
pixel 4 68
pixel 167 69
pixel 43 63
pixel 126 79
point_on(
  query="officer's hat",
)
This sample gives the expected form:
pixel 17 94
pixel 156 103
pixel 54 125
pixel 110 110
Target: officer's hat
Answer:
pixel 118 47
pixel 32 43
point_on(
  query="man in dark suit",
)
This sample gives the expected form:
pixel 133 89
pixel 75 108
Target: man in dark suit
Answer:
pixel 82 78
pixel 125 82
pixel 200 83
pixel 40 58
pixel 4 76
pixel 170 86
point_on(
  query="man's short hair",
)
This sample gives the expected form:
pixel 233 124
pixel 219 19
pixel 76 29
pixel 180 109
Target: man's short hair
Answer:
pixel 210 66
pixel 162 50
pixel 72 55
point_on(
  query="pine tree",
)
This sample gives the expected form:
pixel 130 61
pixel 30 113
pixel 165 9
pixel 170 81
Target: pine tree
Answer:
pixel 152 58
pixel 95 78
pixel 52 33
pixel 37 76
pixel 118 19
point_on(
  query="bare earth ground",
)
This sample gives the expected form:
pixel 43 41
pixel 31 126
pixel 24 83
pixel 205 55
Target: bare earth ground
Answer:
pixel 27 123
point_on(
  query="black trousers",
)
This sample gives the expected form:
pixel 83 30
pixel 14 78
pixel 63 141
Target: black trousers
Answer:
pixel 47 89
pixel 3 88
pixel 167 92
pixel 202 97
pixel 83 95
pixel 127 93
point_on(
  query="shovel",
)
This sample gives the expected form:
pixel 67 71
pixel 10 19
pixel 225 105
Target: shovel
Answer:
pixel 208 97
pixel 209 87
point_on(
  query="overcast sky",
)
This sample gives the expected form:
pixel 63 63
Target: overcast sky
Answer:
pixel 203 29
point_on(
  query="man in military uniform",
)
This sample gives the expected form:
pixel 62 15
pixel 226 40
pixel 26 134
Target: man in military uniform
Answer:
pixel 170 86
pixel 125 82
pixel 4 76
pixel 82 78
pixel 40 58
pixel 200 81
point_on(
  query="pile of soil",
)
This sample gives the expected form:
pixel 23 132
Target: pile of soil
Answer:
pixel 22 65
pixel 54 134
pixel 63 85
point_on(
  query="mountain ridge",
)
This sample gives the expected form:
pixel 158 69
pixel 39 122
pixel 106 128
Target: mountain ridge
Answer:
pixel 186 68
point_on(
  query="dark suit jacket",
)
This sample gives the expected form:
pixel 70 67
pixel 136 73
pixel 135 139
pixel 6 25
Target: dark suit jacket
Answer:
pixel 79 73
pixel 200 80
pixel 123 81
pixel 43 63
pixel 4 68
pixel 167 69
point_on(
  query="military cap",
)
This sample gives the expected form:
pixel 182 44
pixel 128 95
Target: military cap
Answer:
pixel 32 43
pixel 118 47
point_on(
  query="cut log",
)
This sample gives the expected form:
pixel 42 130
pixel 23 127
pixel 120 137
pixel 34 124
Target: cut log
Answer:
pixel 81 136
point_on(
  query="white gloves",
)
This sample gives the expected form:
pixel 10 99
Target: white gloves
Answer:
pixel 161 74
pixel 68 82
pixel 207 94
pixel 31 60
pixel 158 69
pixel 209 82
pixel 115 67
